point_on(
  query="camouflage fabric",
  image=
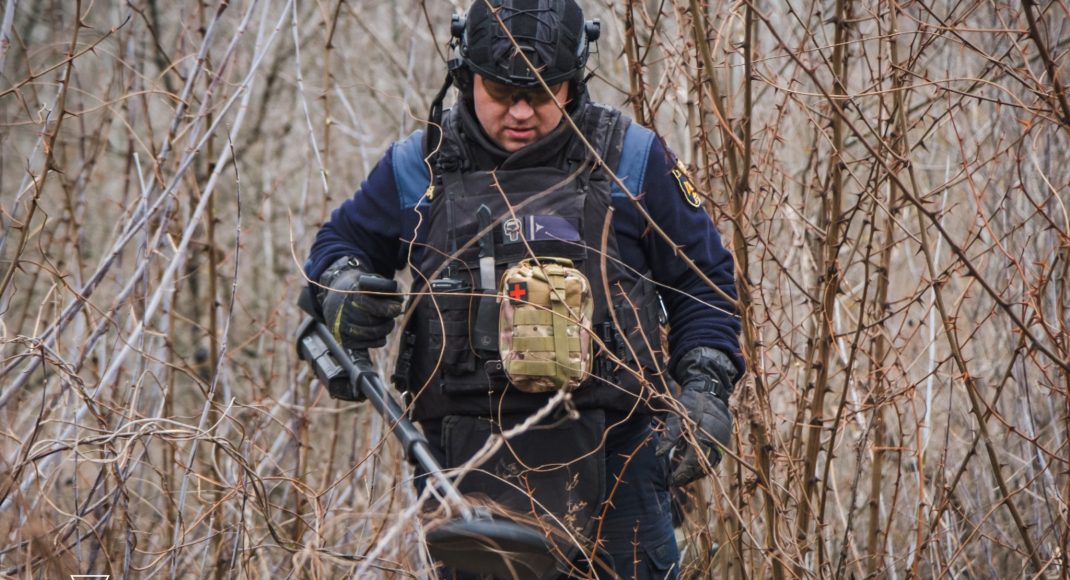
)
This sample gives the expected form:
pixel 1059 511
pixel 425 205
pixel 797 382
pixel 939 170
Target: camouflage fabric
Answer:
pixel 544 326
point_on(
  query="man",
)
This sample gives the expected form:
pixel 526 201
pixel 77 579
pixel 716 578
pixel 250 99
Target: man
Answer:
pixel 537 270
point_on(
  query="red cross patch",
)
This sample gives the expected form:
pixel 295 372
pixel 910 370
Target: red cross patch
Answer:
pixel 518 291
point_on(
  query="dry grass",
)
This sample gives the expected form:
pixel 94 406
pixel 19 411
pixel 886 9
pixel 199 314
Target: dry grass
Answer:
pixel 892 178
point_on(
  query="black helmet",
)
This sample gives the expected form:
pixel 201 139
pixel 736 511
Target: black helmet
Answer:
pixel 551 33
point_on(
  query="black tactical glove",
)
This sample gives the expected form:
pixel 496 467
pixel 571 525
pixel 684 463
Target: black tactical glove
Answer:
pixel 358 307
pixel 705 376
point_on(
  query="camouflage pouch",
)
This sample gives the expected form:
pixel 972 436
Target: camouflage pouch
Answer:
pixel 544 325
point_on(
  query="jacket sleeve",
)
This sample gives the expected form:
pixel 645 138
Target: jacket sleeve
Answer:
pixel 366 226
pixel 698 314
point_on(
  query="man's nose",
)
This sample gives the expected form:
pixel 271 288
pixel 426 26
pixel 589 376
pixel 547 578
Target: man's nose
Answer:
pixel 521 110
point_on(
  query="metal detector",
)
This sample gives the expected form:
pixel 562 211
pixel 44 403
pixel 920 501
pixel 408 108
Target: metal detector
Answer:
pixel 474 542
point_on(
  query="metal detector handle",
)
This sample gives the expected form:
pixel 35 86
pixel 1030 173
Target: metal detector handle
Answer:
pixel 357 365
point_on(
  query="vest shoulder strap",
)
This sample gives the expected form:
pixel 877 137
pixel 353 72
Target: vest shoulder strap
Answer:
pixel 600 125
pixel 631 168
pixel 411 174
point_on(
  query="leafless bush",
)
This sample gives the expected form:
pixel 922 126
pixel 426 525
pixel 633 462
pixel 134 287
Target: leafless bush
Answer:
pixel 892 179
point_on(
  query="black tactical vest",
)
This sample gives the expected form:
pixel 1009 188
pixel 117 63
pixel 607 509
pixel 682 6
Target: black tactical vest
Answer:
pixel 451 339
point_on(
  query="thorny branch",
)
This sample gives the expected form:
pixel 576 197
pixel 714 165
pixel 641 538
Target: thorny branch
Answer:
pixel 891 179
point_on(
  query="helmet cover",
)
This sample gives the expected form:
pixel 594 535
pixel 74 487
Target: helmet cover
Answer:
pixel 551 33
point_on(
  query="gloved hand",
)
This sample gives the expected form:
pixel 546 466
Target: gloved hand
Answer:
pixel 358 307
pixel 705 376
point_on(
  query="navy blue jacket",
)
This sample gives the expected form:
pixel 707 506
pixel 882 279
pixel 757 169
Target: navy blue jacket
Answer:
pixel 379 223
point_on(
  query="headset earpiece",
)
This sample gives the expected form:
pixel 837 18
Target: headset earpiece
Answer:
pixel 457 26
pixel 593 29
pixel 458 49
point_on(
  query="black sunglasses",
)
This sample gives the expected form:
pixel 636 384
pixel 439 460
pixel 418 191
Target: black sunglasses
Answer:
pixel 535 96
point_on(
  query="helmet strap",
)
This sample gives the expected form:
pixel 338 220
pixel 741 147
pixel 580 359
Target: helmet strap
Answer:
pixel 433 135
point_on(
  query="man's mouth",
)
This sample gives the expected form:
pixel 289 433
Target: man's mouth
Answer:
pixel 519 133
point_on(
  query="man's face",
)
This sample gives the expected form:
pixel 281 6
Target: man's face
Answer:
pixel 515 117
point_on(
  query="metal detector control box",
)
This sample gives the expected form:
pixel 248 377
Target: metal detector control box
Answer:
pixel 311 348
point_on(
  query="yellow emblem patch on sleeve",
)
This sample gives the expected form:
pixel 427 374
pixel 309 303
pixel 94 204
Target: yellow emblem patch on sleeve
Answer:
pixel 686 188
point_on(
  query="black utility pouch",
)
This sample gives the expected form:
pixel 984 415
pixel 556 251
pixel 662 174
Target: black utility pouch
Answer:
pixel 560 462
pixel 449 312
pixel 485 325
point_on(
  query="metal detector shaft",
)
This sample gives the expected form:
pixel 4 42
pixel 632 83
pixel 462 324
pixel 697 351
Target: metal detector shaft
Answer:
pixel 357 366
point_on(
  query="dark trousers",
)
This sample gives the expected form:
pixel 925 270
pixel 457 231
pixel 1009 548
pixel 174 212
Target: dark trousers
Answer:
pixel 636 531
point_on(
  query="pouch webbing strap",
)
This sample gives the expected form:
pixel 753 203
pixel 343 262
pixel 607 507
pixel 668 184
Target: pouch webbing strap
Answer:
pixel 532 317
pixel 543 343
pixel 561 318
pixel 537 368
